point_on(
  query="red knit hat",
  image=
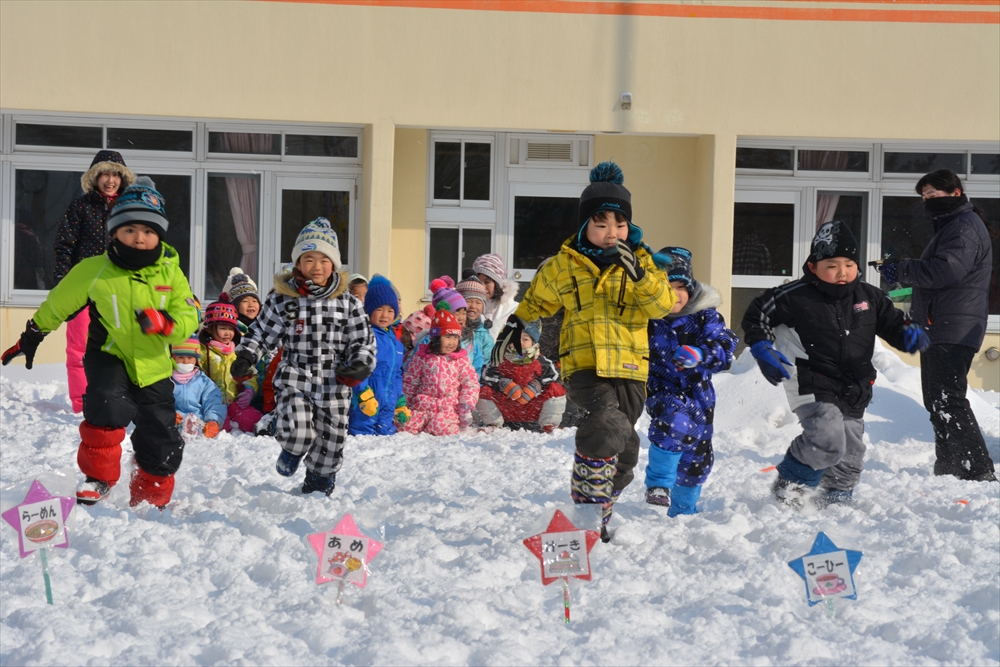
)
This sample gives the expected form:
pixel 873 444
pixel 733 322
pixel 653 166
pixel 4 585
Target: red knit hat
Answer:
pixel 221 312
pixel 444 323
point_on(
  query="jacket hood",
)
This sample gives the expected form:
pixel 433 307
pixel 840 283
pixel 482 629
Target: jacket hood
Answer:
pixel 89 179
pixel 510 288
pixel 282 287
pixel 705 296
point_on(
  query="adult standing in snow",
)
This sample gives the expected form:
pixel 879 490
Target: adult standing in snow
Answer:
pixel 951 285
pixel 81 235
pixel 492 274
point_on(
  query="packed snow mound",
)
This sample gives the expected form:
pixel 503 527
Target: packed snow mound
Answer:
pixel 225 575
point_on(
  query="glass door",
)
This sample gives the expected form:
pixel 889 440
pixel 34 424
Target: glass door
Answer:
pixel 302 199
pixel 541 218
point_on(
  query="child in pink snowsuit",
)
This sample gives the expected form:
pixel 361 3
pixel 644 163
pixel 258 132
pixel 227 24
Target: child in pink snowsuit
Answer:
pixel 440 383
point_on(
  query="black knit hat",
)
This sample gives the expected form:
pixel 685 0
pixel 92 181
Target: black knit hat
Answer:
pixel 679 268
pixel 834 239
pixel 605 193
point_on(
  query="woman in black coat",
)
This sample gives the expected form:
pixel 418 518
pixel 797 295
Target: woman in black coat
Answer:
pixel 951 284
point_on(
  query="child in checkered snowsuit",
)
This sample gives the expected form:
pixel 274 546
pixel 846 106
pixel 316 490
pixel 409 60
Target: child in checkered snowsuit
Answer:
pixel 327 348
pixel 440 384
pixel 685 349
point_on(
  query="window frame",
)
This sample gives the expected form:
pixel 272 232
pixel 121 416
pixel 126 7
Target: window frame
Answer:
pixel 461 227
pixel 462 138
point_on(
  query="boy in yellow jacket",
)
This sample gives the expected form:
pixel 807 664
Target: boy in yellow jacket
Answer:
pixel 605 278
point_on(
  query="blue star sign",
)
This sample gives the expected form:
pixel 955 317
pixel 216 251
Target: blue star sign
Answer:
pixel 827 570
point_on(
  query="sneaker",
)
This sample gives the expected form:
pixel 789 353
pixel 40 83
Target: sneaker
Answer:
pixel 315 482
pixel 658 495
pixel 92 491
pixel 789 493
pixel 287 463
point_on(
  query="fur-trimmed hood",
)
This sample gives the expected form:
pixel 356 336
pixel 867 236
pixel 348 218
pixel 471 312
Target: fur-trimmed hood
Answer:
pixel 510 288
pixel 282 279
pixel 705 297
pixel 89 179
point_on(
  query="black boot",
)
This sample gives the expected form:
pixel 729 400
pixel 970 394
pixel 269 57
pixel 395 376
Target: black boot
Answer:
pixel 317 482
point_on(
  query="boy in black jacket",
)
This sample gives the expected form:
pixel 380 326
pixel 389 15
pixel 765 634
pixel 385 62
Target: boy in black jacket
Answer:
pixel 826 322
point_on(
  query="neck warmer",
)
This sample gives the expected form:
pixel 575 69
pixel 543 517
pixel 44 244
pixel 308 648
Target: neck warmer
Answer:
pixel 469 330
pixel 308 288
pixel 223 348
pixel 109 199
pixel 527 355
pixel 245 320
pixel 184 378
pixel 936 206
pixel 832 290
pixel 132 259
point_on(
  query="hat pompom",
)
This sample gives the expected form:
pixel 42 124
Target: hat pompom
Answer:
pixel 437 284
pixel 608 172
pixel 235 271
pixel 429 310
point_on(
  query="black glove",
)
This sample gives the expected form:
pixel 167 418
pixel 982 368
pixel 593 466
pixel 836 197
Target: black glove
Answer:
pixel 27 345
pixel 625 257
pixel 243 364
pixel 889 270
pixel 511 334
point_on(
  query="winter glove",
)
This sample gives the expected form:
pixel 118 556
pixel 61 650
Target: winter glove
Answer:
pixel 889 270
pixel 180 418
pixel 688 356
pixel 367 403
pixel 509 335
pixel 244 397
pixel 211 429
pixel 512 391
pixel 27 345
pixel 915 339
pixel 242 366
pixel 529 392
pixel 154 322
pixel 352 374
pixel 625 257
pixel 401 415
pixel 770 361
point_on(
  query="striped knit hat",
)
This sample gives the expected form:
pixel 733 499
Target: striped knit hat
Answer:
pixel 140 203
pixel 221 312
pixel 189 348
pixel 491 265
pixel 473 288
pixel 239 285
pixel 318 235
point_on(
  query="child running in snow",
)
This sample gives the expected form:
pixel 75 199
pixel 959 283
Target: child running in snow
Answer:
pixel 826 322
pixel 327 348
pixel 219 337
pixel 378 403
pixel 605 278
pixel 685 350
pixel 140 303
pixel 440 384
pixel 197 400
pixel 523 390
pixel 474 331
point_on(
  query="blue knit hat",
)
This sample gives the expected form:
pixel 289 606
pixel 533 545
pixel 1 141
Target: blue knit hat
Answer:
pixel 140 203
pixel 318 235
pixel 679 267
pixel 534 329
pixel 380 293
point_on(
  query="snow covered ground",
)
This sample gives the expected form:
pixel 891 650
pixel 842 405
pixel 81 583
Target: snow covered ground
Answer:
pixel 225 575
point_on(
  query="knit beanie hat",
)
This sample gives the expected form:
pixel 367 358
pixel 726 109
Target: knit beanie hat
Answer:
pixel 445 297
pixel 356 278
pixel 472 288
pixel 491 265
pixel 444 323
pixel 239 285
pixel 189 348
pixel 679 266
pixel 834 239
pixel 106 162
pixel 221 312
pixel 605 193
pixel 418 323
pixel 534 329
pixel 380 293
pixel 318 235
pixel 140 203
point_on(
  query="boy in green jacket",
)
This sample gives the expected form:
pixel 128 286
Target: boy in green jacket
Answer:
pixel 140 303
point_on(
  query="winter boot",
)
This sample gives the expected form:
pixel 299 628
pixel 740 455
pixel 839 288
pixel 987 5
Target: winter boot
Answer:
pixel 789 493
pixel 606 510
pixel 592 480
pixel 288 463
pixel 154 489
pixel 316 482
pixel 657 495
pixel 100 459
pixel 92 491
pixel 684 500
pixel 834 497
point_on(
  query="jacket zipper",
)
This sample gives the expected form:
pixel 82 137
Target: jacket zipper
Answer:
pixel 576 293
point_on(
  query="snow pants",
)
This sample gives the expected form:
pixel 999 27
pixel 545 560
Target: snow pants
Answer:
pixel 958 442
pixel 682 427
pixel 831 445
pixel 546 409
pixel 317 432
pixel 76 346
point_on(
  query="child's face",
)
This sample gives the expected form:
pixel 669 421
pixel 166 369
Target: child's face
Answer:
pixel 315 266
pixel 223 333
pixel 604 230
pixel 108 183
pixel 382 316
pixel 836 270
pixel 186 359
pixel 475 308
pixel 138 236
pixel 682 295
pixel 406 339
pixel 249 307
pixel 449 343
pixel 359 290
pixel 526 341
pixel 460 315
pixel 487 283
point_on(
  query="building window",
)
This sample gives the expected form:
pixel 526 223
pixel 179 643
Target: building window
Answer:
pixel 451 250
pixel 462 170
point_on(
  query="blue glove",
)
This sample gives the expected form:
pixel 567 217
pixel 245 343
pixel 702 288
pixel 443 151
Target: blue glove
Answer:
pixel 889 270
pixel 688 356
pixel 770 360
pixel 915 339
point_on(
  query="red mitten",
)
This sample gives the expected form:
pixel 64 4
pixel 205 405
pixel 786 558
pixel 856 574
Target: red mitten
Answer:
pixel 211 429
pixel 153 321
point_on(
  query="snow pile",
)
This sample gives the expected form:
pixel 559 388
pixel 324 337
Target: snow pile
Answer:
pixel 225 575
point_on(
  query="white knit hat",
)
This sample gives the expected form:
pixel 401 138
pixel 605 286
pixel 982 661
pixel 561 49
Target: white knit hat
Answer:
pixel 239 285
pixel 318 235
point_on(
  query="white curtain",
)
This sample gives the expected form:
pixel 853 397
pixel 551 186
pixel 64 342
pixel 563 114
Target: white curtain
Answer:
pixel 244 196
pixel 826 205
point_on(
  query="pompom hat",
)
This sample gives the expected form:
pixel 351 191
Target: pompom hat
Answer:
pixel 318 235
pixel 189 348
pixel 606 192
pixel 472 288
pixel 221 312
pixel 239 285
pixel 444 324
pixel 445 297
pixel 834 239
pixel 418 323
pixel 380 293
pixel 491 265
pixel 140 203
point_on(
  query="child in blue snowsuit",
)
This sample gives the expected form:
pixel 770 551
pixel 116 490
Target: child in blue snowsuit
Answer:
pixel 685 349
pixel 378 403
pixel 194 392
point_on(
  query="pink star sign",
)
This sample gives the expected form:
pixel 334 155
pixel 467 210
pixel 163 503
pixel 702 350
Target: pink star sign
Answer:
pixel 344 553
pixel 563 549
pixel 40 521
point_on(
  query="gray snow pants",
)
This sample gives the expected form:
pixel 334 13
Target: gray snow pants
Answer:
pixel 833 441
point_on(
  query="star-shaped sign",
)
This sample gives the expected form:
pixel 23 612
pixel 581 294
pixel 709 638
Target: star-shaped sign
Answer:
pixel 563 549
pixel 40 521
pixel 344 553
pixel 828 571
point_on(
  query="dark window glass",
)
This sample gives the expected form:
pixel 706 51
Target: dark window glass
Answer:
pixel 541 224
pixel 477 172
pixel 762 239
pixel 150 140
pixel 447 162
pixel 851 208
pixel 923 163
pixel 986 163
pixel 742 296
pixel 991 214
pixel 176 191
pixel 906 229
pixel 444 253
pixel 833 161
pixel 248 143
pixel 763 158
pixel 298 207
pixel 30 134
pixel 320 146
pixel 233 218
pixel 475 242
pixel 40 200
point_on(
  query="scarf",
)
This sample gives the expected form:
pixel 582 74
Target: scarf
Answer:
pixel 527 356
pixel 936 206
pixel 132 259
pixel 224 349
pixel 184 378
pixel 469 330
pixel 109 199
pixel 308 288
